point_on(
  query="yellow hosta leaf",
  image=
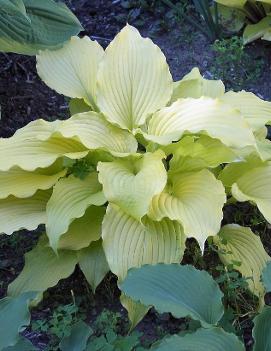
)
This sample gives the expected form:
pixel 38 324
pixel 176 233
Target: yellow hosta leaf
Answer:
pixel 232 3
pixel 258 30
pixel 240 244
pixel 28 213
pixel 255 186
pixel 129 243
pixel 193 85
pixel 232 172
pixel 207 115
pixel 70 199
pixel 94 132
pixel 133 80
pixel 267 34
pixel 264 149
pixel 93 263
pixel 195 200
pixel 261 134
pixel 78 106
pixel 72 70
pixel 84 230
pixel 131 183
pixel 200 152
pixel 136 311
pixel 256 111
pixel 22 184
pixel 34 147
pixel 43 269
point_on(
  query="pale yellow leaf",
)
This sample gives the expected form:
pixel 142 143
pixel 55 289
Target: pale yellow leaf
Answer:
pixel 195 200
pixel 28 213
pixel 133 80
pixel 93 263
pixel 256 111
pixel 204 115
pixel 131 183
pixel 240 244
pixel 70 199
pixel 194 85
pixel 84 230
pixel 72 70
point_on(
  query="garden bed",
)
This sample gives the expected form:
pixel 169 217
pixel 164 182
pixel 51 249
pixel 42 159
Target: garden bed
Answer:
pixel 24 97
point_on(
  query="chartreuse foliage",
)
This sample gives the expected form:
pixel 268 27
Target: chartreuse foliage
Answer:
pixel 26 26
pixel 137 169
pixel 255 14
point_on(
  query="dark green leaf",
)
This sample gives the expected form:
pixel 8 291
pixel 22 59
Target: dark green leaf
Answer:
pixel 214 339
pixel 77 340
pixel 182 290
pixel 26 26
pixel 14 315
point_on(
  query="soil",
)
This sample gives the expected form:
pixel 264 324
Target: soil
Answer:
pixel 24 97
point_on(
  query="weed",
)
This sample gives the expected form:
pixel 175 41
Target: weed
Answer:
pixel 233 64
pixel 108 328
pixel 59 325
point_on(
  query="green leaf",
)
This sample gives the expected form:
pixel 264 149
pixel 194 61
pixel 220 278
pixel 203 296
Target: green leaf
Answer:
pixel 232 19
pixel 43 269
pixel 239 4
pixel 14 316
pixel 240 244
pixel 129 183
pixel 262 331
pixel 266 277
pixel 22 345
pixel 195 200
pixel 93 264
pixel 193 85
pixel 78 106
pixel 204 115
pixel 30 25
pixel 77 340
pixel 84 230
pixel 28 213
pixel 258 30
pixel 70 199
pixel 255 186
pixel 181 290
pixel 214 339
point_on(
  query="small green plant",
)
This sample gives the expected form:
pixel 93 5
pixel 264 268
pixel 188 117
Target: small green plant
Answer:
pixel 58 325
pixel 232 283
pixel 233 64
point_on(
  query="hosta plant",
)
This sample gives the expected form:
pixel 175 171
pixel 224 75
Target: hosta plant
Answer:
pixel 142 164
pixel 253 14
